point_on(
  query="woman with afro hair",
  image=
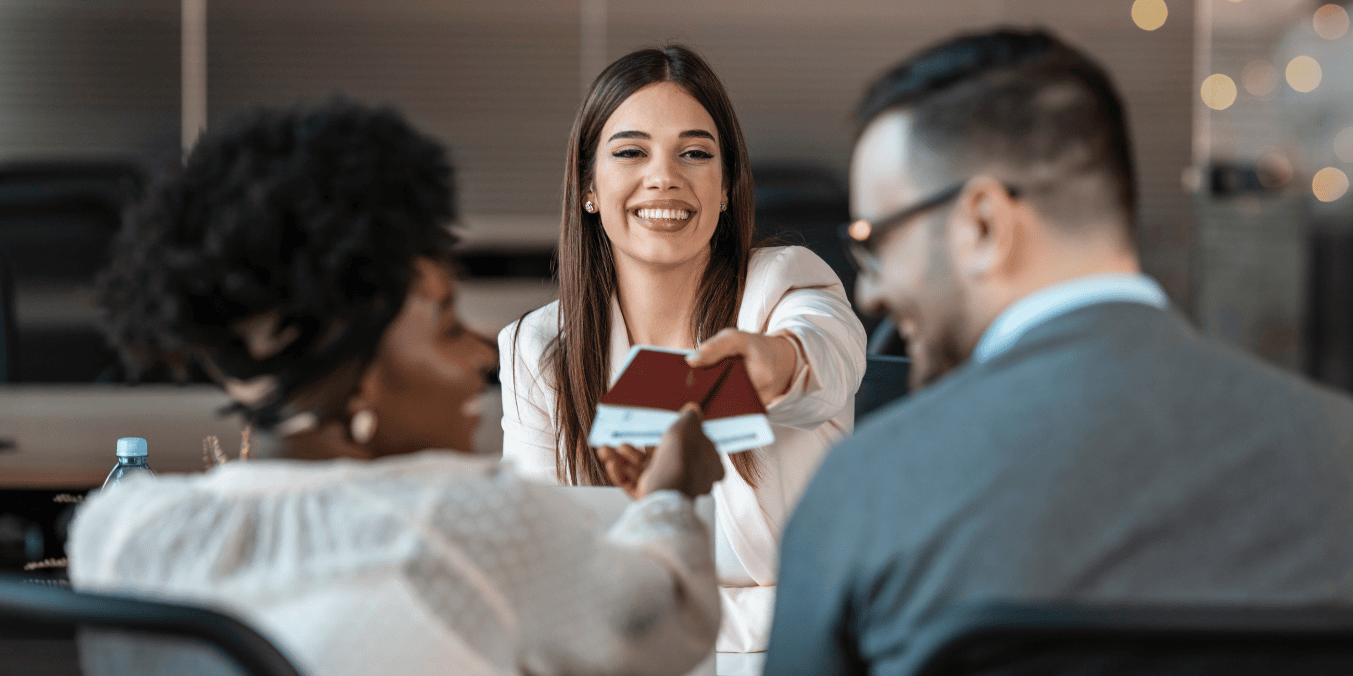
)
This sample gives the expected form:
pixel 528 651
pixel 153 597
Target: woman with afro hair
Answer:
pixel 300 257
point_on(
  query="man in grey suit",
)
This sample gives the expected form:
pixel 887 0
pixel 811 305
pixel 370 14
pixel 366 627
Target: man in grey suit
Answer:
pixel 1070 438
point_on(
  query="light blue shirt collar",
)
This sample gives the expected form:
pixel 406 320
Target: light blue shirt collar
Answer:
pixel 1058 299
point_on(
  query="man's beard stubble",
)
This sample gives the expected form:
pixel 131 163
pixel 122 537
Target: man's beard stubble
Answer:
pixel 930 361
pixel 940 350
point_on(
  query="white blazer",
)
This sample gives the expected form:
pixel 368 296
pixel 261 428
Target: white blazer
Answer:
pixel 788 288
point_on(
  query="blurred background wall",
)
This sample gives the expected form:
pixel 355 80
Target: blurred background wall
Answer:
pixel 500 81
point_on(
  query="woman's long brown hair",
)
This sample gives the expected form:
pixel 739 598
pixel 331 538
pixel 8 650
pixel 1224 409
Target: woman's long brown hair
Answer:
pixel 579 356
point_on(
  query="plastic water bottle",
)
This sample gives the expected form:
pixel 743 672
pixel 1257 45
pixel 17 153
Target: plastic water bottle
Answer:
pixel 131 460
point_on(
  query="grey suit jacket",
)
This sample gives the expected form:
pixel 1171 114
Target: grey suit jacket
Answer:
pixel 1111 454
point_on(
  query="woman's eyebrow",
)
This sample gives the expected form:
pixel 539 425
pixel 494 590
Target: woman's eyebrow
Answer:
pixel 689 133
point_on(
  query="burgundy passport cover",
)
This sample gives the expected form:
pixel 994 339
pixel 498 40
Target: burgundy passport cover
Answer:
pixel 663 380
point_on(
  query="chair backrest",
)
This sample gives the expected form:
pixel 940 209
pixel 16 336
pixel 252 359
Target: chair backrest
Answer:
pixel 886 371
pixel 57 223
pixel 803 204
pixel 885 381
pixel 1120 640
pixel 9 335
pixel 41 626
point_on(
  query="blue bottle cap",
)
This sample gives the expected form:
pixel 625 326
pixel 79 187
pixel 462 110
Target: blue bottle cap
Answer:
pixel 131 447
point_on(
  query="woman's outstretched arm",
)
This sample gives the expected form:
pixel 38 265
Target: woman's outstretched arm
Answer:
pixel 793 298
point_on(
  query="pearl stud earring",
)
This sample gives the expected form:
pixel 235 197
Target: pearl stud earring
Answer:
pixel 362 426
pixel 587 206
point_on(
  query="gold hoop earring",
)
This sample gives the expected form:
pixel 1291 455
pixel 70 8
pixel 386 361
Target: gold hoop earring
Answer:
pixel 587 206
pixel 362 426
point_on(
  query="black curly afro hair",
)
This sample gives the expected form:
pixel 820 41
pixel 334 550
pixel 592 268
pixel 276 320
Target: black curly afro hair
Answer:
pixel 312 216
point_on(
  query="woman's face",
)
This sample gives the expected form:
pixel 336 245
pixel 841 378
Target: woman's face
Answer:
pixel 658 179
pixel 428 372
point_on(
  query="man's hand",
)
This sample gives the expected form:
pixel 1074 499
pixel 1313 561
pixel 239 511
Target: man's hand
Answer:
pixel 771 360
pixel 685 460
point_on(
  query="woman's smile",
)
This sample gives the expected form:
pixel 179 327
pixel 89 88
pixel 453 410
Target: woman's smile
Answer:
pixel 664 216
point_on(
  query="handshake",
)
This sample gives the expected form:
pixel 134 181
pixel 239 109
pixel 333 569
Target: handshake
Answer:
pixel 684 460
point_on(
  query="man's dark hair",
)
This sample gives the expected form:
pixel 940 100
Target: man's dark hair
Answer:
pixel 1021 99
pixel 310 217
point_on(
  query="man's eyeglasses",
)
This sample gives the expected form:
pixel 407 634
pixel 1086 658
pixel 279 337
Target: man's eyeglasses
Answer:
pixel 860 238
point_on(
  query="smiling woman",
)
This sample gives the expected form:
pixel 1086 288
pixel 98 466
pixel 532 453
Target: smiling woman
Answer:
pixel 655 248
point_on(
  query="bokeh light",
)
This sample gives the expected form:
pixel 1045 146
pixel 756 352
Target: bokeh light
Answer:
pixel 1219 91
pixel 1331 22
pixel 1259 77
pixel 1149 14
pixel 1303 74
pixel 1274 169
pixel 1329 184
pixel 1343 144
pixel 859 230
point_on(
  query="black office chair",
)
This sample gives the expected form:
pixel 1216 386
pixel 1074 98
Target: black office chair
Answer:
pixel 803 204
pixel 886 371
pixel 9 332
pixel 1009 639
pixel 57 223
pixel 52 630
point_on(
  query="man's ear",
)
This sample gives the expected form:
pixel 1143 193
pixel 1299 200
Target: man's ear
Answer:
pixel 984 228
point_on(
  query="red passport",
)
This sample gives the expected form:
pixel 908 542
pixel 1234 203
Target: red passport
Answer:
pixel 655 383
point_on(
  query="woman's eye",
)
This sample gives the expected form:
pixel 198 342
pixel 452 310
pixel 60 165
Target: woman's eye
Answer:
pixel 697 154
pixel 628 153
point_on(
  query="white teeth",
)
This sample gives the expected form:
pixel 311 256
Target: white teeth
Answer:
pixel 664 214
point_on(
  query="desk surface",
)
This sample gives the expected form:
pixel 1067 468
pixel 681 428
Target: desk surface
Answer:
pixel 65 436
